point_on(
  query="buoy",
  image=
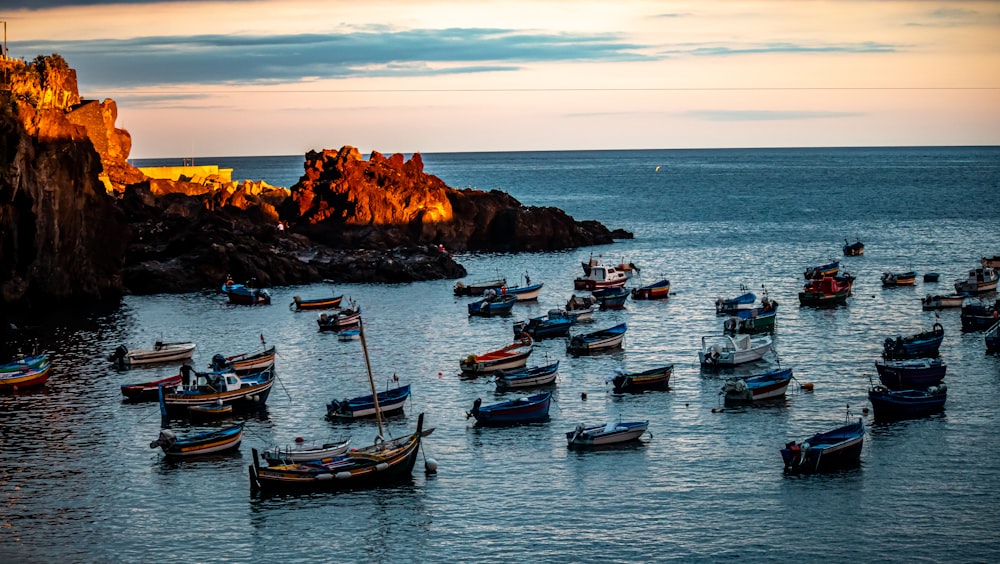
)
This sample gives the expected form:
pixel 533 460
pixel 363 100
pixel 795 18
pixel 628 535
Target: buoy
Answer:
pixel 808 386
pixel 583 395
pixel 440 373
pixel 431 466
pixel 299 439
pixel 685 404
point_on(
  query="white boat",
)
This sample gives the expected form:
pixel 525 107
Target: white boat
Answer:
pixel 730 350
pixel 161 352
pixel 979 280
pixel 942 302
pixel 301 452
pixel 605 433
pixel 601 276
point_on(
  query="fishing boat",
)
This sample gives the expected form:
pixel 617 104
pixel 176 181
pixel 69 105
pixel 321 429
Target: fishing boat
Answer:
pixel 530 409
pixel 754 320
pixel 528 377
pixel 479 287
pixel 23 362
pixel 939 301
pixel 825 451
pixel 978 315
pixel 389 402
pixel 768 385
pixel 28 377
pixel 728 350
pixel 339 320
pixel 298 304
pixel 601 276
pixel 925 344
pixel 991 262
pixel 822 271
pixel 604 434
pixel 542 327
pixel 244 392
pixel 659 290
pixel 245 363
pixel 611 298
pixel 574 315
pixel 908 278
pixel 911 374
pixel 149 391
pixel 527 292
pixel 902 404
pixel 241 294
pixel 931 276
pixel 855 249
pixel 384 462
pixel 992 338
pixel 604 339
pixel 729 306
pixel 978 281
pixel 161 352
pixel 303 452
pixel 206 442
pixel 491 305
pixel 209 411
pixel 514 355
pixel 824 292
pixel 636 382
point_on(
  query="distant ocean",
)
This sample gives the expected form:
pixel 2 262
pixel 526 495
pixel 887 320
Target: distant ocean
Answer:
pixel 78 481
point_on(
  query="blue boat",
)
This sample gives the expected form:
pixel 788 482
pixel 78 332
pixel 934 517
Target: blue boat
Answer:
pixel 521 410
pixel 902 404
pixel 921 345
pixel 979 316
pixel 910 374
pixel 389 401
pixel 611 298
pixel 828 269
pixel 492 305
pixel 245 295
pixel 23 363
pixel 207 442
pixel 525 293
pixel 542 327
pixel 659 290
pixel 609 338
pixel 730 306
pixel 767 385
pixel 527 378
pixel 821 452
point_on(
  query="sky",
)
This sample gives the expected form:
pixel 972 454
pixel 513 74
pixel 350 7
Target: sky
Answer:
pixel 267 77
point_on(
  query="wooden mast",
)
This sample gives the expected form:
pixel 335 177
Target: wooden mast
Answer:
pixel 371 380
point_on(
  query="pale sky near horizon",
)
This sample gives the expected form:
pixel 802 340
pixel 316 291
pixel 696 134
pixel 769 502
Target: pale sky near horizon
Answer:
pixel 267 77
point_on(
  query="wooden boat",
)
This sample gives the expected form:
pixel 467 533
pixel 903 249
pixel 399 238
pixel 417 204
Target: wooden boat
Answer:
pixel 824 292
pixel 611 298
pixel 298 304
pixel 149 391
pixel 633 382
pixel 339 320
pixel 991 262
pixel 931 276
pixel 992 338
pixel 492 305
pixel 924 344
pixel 245 363
pixel 755 320
pixel 389 401
pixel 541 327
pixel 525 293
pixel 22 363
pixel 821 452
pixel 601 276
pixel 479 287
pixel 729 306
pixel 527 378
pixel 822 271
pixel 302 452
pixel 161 352
pixel 911 374
pixel 528 409
pixel 207 411
pixel 855 249
pixel 614 432
pixel 574 315
pixel 659 290
pixel 767 385
pixel 977 315
pixel 979 280
pixel 892 404
pixel 514 355
pixel 729 350
pixel 609 338
pixel 245 295
pixel 207 442
pixel 244 392
pixel 938 301
pixel 908 278
pixel 29 377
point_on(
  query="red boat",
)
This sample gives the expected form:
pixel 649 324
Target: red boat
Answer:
pixel 824 292
pixel 149 391
pixel 25 378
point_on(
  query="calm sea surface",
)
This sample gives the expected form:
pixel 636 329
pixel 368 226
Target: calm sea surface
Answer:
pixel 78 481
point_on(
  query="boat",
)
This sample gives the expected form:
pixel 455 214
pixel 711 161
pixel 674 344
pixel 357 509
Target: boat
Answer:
pixel 23 362
pixel 979 280
pixel 514 355
pixel 855 249
pixel 729 350
pixel 245 363
pixel 977 315
pixel 901 404
pixel 493 304
pixel 603 339
pixel 822 271
pixel 528 409
pixel 767 385
pixel 992 338
pixel 245 294
pixel 939 301
pixel 384 462
pixel 611 433
pixel 528 377
pixel 659 290
pixel 389 401
pixel 478 288
pixel 908 278
pixel 29 377
pixel 526 293
pixel 911 374
pixel 339 320
pixel 601 276
pixel 825 451
pixel 729 306
pixel 824 292
pixel 244 392
pixel 349 335
pixel 574 315
pixel 754 320
pixel 652 379
pixel 931 276
pixel 302 452
pixel 991 262
pixel 149 391
pixel 207 411
pixel 627 267
pixel 298 304
pixel 206 442
pixel 611 298
pixel 541 327
pixel 923 344
pixel 161 352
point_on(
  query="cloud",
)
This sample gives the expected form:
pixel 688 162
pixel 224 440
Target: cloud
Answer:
pixel 723 51
pixel 766 115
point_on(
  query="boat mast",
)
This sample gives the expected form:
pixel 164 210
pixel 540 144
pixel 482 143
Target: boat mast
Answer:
pixel 371 380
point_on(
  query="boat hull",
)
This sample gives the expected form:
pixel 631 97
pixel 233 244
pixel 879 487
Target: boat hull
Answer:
pixel 839 448
pixel 29 378
pixel 531 409
pixel 913 374
pixel 638 382
pixel 605 435
pixel 530 378
pixel 888 404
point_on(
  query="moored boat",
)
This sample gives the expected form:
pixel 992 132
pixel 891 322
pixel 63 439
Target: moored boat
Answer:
pixel 298 304
pixel 389 402
pixel 207 442
pixel 925 344
pixel 901 404
pixel 931 276
pixel 822 271
pixel 855 249
pixel 824 292
pixel 603 339
pixel 514 355
pixel 604 434
pixel 339 320
pixel 611 298
pixel 244 392
pixel 754 320
pixel 241 294
pixel 978 315
pixel 303 452
pixel 729 306
pixel 574 315
pixel 910 374
pixel 939 301
pixel 149 391
pixel 542 328
pixel 601 276
pixel 908 278
pixel 525 293
pixel 729 350
pixel 161 352
pixel 767 385
pixel 478 287
pixel 825 451
pixel 979 280
pixel 23 362
pixel 28 377
pixel 245 363
pixel 527 377
pixel 652 379
pixel 492 304
pixel 528 409
pixel 659 290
